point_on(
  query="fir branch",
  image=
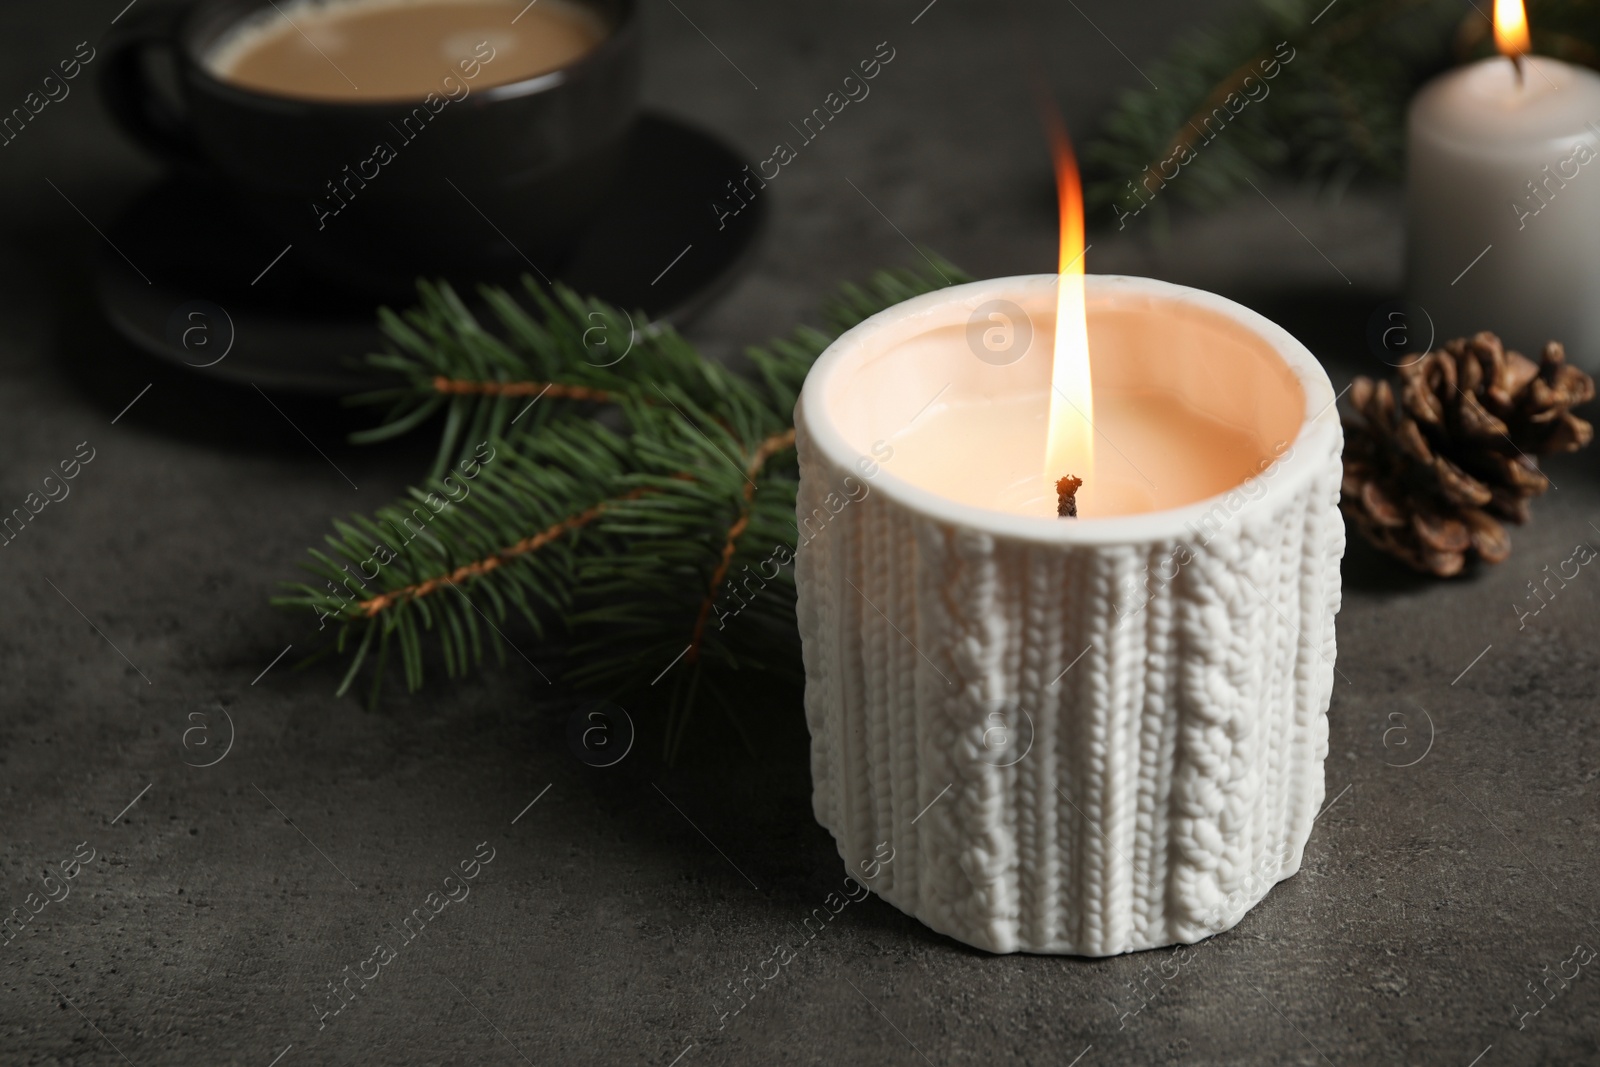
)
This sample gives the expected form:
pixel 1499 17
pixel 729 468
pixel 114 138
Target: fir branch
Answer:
pixel 620 538
pixel 468 387
pixel 583 347
pixel 1336 110
pixel 479 567
pixel 773 444
pixel 376 573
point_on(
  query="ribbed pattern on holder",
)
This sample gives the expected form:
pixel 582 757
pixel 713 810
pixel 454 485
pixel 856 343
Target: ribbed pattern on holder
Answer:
pixel 1174 769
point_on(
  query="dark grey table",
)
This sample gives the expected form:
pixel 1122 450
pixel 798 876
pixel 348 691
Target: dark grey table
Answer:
pixel 222 901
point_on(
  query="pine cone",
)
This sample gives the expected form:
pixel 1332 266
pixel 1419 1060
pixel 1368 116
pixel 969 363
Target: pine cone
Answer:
pixel 1436 461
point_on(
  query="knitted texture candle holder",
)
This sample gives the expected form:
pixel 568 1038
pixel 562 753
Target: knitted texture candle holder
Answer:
pixel 1090 737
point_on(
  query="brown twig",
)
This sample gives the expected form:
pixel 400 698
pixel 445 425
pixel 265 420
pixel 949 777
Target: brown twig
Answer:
pixel 1338 32
pixel 1185 137
pixel 765 451
pixel 478 568
pixel 555 390
pixel 1360 136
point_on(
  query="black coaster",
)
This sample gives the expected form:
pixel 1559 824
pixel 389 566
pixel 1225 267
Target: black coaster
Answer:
pixel 187 282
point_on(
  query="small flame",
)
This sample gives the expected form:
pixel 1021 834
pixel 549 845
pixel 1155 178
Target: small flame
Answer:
pixel 1069 447
pixel 1510 28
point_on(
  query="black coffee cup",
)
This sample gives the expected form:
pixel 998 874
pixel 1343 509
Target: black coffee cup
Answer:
pixel 496 181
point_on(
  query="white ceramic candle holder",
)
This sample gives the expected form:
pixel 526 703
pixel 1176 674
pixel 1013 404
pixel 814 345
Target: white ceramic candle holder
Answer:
pixel 1083 737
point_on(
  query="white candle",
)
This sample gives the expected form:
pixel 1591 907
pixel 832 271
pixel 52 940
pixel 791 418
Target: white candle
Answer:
pixel 1187 405
pixel 1503 204
pixel 1156 451
pixel 1085 735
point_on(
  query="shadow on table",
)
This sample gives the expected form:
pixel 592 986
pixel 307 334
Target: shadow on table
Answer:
pixel 181 404
pixel 1332 323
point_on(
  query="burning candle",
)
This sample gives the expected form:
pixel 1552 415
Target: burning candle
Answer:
pixel 1503 199
pixel 1070 429
pixel 1122 413
pixel 1086 735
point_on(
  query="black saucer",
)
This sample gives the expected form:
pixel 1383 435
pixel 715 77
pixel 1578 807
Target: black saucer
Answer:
pixel 183 280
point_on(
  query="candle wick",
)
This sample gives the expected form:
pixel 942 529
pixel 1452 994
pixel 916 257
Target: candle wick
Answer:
pixel 1067 497
pixel 1517 65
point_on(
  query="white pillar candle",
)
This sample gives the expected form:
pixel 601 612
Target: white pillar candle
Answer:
pixel 1503 205
pixel 1087 735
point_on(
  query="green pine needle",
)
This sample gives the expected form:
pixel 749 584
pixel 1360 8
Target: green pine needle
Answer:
pixel 591 472
pixel 1333 112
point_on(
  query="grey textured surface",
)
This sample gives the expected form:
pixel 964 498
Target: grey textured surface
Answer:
pixel 612 919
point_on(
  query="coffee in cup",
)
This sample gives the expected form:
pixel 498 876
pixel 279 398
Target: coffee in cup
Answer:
pixel 382 50
pixel 383 140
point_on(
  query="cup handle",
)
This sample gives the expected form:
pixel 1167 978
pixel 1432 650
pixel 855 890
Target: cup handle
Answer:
pixel 135 102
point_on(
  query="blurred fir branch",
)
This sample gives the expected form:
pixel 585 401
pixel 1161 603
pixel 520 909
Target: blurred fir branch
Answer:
pixel 1332 111
pixel 602 484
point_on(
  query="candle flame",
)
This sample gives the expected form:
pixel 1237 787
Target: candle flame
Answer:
pixel 1069 447
pixel 1510 28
